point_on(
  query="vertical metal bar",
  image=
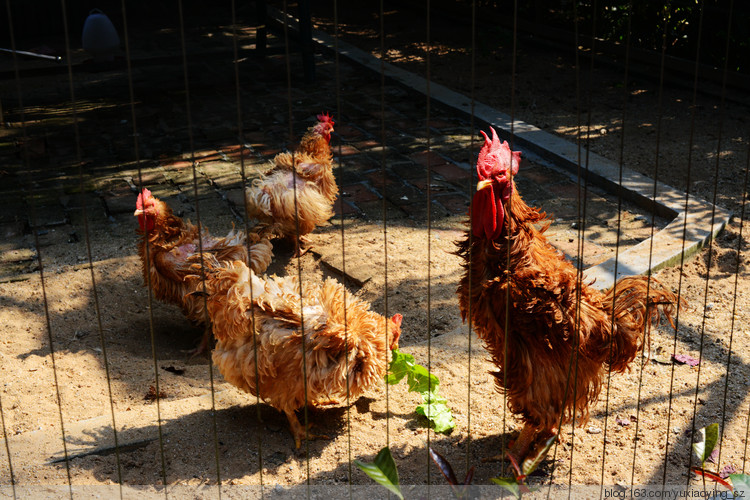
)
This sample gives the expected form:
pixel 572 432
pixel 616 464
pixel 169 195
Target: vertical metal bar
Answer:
pixel 693 108
pixel 243 176
pixel 621 163
pixel 299 259
pixel 79 160
pixel 147 263
pixel 206 319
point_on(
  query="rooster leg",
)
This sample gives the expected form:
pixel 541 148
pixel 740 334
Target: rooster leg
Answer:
pixel 298 430
pixel 327 402
pixel 519 448
pixel 523 443
pixel 299 249
pixel 203 347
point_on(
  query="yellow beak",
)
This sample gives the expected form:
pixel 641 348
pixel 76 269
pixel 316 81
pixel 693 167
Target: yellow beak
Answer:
pixel 484 184
pixel 138 212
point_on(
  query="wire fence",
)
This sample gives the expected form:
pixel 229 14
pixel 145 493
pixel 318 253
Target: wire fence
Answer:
pixel 100 395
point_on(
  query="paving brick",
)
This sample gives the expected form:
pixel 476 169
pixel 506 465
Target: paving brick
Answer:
pixel 147 176
pixel 223 174
pixel 348 133
pixel 409 170
pixel 438 124
pixel 358 193
pixel 345 150
pixel 368 145
pixel 376 179
pixel 402 194
pixel 452 173
pixel 428 158
pixel 418 211
pixel 348 208
pixel 454 203
pixel 177 164
pixel 373 210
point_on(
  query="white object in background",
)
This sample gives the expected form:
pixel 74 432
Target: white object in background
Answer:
pixel 100 36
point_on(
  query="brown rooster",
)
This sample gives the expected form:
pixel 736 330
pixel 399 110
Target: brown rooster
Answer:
pixel 534 314
pixel 356 349
pixel 271 198
pixel 171 241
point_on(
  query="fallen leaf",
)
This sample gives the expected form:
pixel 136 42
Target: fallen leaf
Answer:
pixel 684 359
pixel 661 360
pixel 152 395
pixel 714 456
pixel 622 422
pixel 172 369
pixel 727 470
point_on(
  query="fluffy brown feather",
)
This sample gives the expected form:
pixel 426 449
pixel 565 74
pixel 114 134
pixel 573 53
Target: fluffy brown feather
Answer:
pixel 527 304
pixel 170 242
pixel 249 313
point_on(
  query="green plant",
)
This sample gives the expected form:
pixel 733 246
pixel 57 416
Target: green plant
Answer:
pixel 419 379
pixel 460 490
pixel 704 447
pixel 516 485
pixel 383 471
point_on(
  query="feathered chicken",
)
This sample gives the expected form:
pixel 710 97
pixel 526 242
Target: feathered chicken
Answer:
pixel 271 198
pixel 171 241
pixel 534 314
pixel 308 344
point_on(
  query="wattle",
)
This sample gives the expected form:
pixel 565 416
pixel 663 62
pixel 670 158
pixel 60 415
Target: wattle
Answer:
pixel 487 214
pixel 146 223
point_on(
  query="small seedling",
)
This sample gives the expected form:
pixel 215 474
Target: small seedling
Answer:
pixel 460 490
pixel 433 407
pixel 383 471
pixel 516 486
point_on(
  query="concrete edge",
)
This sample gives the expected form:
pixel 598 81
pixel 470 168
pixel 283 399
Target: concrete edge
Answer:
pixel 695 221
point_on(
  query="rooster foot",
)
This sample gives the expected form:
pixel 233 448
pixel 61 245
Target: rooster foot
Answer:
pixel 299 432
pixel 328 402
pixel 202 349
pixel 299 249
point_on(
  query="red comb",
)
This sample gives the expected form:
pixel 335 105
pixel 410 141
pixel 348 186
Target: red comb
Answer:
pixel 146 194
pixel 496 157
pixel 325 118
pixel 397 318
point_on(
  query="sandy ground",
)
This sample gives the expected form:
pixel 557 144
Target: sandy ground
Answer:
pixel 183 441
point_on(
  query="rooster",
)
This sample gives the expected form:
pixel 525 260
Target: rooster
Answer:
pixel 534 314
pixel 271 198
pixel 291 351
pixel 167 242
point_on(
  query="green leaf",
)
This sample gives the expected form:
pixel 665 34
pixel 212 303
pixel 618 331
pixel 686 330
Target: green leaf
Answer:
pixel 707 438
pixel 509 484
pixel 383 471
pixel 420 380
pixel 401 365
pixel 437 412
pixel 439 415
pixel 740 483
pixel 530 464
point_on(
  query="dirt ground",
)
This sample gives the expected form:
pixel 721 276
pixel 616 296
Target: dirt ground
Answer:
pixel 110 343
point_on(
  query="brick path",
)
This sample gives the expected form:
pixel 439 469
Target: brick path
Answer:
pixel 368 174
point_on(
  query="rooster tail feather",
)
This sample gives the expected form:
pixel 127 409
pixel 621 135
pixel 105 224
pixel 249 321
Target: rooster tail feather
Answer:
pixel 637 304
